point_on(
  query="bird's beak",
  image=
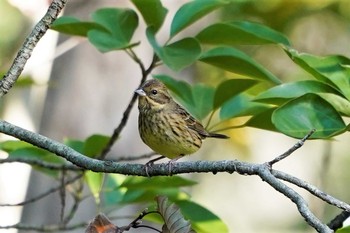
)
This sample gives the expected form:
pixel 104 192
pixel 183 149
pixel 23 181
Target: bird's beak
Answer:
pixel 140 92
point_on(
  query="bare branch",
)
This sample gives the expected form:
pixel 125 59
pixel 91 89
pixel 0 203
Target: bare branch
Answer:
pixel 27 48
pixel 312 189
pixel 292 149
pixel 48 192
pixel 42 164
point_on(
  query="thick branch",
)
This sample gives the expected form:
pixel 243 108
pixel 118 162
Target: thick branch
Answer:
pixel 27 48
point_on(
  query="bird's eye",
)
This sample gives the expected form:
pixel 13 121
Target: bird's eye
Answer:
pixel 154 92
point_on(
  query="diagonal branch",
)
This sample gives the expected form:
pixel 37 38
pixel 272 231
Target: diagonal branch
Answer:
pixel 312 189
pixel 27 48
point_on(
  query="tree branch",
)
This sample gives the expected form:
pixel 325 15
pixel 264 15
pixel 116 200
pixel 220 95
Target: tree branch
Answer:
pixel 262 170
pixel 29 44
pixel 311 189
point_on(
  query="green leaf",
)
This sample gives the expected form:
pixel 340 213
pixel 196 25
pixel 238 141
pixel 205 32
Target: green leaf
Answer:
pixel 95 144
pixel 156 183
pixel 12 145
pixel 152 12
pixel 75 27
pixel 112 194
pixel 341 104
pixel 344 230
pixel 120 24
pixel 283 92
pixel 181 89
pixel 240 33
pixel 191 12
pixel 142 196
pixel 177 55
pixel 40 155
pixel 235 61
pixel 297 117
pixel 241 105
pixel 203 96
pixel 202 219
pixel 262 120
pixel 231 88
pixel 333 70
pixel 94 181
pixel 77 145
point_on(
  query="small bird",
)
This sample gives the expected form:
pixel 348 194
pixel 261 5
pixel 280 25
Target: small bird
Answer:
pixel 165 126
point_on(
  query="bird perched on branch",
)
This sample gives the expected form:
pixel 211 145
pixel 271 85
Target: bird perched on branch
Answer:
pixel 165 126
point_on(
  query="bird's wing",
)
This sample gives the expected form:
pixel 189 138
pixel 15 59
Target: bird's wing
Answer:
pixel 192 123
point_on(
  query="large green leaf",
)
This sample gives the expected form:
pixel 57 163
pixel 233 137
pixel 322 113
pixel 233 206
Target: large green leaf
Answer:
pixel 94 145
pixel 203 96
pixel 341 104
pixel 236 61
pixel 75 27
pixel 230 88
pixel 240 33
pixel 333 70
pixel 191 12
pixel 241 105
pixel 280 94
pixel 297 117
pixel 120 24
pixel 262 120
pixel 152 12
pixel 202 219
pixel 177 55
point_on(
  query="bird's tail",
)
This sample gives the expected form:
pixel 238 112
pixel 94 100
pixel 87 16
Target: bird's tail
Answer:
pixel 217 135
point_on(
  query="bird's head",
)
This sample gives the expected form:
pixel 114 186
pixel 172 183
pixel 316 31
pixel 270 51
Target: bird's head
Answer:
pixel 153 95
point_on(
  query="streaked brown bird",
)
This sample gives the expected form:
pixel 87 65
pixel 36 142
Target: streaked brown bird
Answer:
pixel 165 126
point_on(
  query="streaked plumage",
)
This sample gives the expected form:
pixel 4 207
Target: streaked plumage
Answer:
pixel 165 126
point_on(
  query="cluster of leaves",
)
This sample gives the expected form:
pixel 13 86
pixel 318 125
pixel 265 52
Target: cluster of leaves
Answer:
pixel 291 108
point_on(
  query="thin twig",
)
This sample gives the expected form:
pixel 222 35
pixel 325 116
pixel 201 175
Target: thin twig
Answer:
pixel 291 150
pixel 43 164
pixel 117 131
pixel 338 221
pixel 29 44
pixel 48 192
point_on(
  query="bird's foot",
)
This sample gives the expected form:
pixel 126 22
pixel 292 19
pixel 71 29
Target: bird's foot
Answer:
pixel 150 163
pixel 171 164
